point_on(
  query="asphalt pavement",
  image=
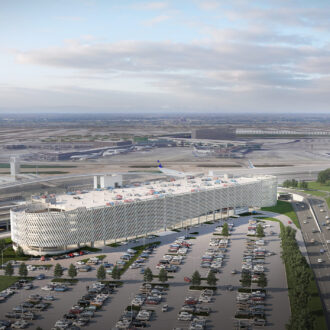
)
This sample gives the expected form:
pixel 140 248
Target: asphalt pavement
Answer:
pixel 223 306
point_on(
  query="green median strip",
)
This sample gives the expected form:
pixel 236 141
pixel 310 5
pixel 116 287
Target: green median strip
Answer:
pixel 139 249
pixel 65 280
pixel 301 284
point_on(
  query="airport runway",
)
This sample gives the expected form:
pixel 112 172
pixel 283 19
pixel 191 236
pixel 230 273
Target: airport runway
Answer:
pixel 299 172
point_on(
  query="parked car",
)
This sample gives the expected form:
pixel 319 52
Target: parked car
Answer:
pixel 165 308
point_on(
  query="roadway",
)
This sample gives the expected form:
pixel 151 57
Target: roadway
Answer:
pixel 314 229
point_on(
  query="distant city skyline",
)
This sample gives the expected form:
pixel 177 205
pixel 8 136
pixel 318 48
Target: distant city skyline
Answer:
pixel 164 56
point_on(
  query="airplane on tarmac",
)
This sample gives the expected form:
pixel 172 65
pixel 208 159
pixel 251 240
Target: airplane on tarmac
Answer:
pixel 201 152
pixel 170 172
pixel 175 173
pixel 250 164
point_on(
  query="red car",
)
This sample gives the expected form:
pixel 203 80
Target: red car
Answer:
pixel 191 301
pixel 289 222
pixel 187 279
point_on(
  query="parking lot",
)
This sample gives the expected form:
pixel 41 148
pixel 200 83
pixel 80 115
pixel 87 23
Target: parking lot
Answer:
pixel 223 304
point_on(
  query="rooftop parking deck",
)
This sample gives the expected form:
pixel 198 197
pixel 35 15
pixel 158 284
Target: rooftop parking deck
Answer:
pixel 145 191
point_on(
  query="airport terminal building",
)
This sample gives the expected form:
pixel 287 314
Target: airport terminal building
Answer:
pixel 55 224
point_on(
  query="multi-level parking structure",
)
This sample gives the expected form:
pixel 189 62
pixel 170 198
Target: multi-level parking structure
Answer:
pixel 115 214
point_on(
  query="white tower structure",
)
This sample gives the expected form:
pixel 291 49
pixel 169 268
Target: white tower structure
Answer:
pixel 14 166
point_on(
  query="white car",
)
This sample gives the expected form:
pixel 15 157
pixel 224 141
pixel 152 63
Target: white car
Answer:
pixel 319 260
pixel 47 288
pixel 184 316
pixel 21 324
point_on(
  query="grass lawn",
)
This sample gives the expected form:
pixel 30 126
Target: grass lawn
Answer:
pixel 8 240
pixel 7 281
pixel 7 165
pixel 283 208
pixel 114 245
pixel 318 186
pixel 328 201
pixel 9 254
pixel 316 193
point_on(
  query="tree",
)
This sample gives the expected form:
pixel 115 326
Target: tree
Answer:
pixel 163 275
pixel 116 273
pixel 20 252
pixel 58 271
pixel 323 176
pixel 303 184
pixel 22 271
pixel 262 281
pixel 101 273
pixel 9 269
pixel 260 231
pixel 246 279
pixel 148 276
pixel 2 244
pixel 196 278
pixel 286 184
pixel 225 230
pixel 211 279
pixel 72 271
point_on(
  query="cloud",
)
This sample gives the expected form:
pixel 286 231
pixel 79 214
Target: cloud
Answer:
pixel 208 5
pixel 70 18
pixel 240 56
pixel 135 56
pixel 70 98
pixel 156 20
pixel 157 5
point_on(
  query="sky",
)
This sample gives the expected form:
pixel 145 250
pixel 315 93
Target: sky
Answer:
pixel 194 56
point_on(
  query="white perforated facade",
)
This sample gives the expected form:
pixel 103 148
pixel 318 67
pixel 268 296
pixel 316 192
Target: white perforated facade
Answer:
pixel 40 230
